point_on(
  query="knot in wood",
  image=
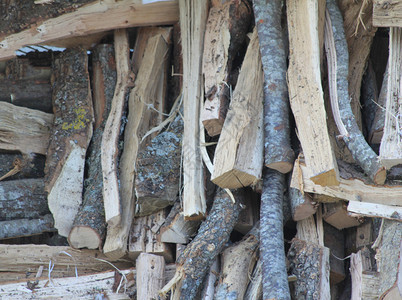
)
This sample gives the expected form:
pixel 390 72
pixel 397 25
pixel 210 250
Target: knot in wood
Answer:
pixel 211 247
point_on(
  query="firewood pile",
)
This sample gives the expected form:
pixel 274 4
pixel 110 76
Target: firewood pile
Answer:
pixel 223 149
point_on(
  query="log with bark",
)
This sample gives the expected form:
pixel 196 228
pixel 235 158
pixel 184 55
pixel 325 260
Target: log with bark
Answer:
pixel 26 227
pixel 225 33
pixel 301 204
pixel 238 156
pixel 304 80
pixel 337 57
pixel 89 224
pixel 211 279
pixel 278 152
pixel 194 263
pixel 70 137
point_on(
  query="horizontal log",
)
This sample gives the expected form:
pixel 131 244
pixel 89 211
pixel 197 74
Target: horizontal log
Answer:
pixel 387 13
pixel 16 166
pixel 92 18
pixel 26 227
pixel 375 210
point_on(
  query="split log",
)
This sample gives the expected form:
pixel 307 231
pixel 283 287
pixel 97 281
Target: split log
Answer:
pixel 71 134
pixel 337 57
pixel 237 262
pixel 351 189
pixel 387 14
pixel 25 227
pixel 364 279
pixel 17 166
pixel 177 230
pixel 143 237
pixel 89 224
pixel 304 79
pixel 158 166
pixel 17 260
pixel 193 16
pixel 208 291
pixel 310 263
pixel 92 18
pixel 359 34
pixel 24 129
pixel 238 156
pixel 374 210
pixel 336 214
pixel 225 33
pixel 150 275
pixel 194 263
pixel 301 204
pixel 254 289
pixel 25 198
pixel 110 137
pixel 391 149
pixel 278 152
pixel 334 241
pixel 272 252
pixel 307 230
pixel 138 123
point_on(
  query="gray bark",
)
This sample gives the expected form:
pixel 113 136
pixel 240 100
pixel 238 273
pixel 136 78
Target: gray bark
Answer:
pixel 26 227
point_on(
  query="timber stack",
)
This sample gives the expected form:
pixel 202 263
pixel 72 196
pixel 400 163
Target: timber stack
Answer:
pixel 201 149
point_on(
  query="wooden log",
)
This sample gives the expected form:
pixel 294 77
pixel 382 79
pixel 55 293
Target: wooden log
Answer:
pixel 193 16
pixel 272 252
pixel 350 189
pixel 175 229
pixel 337 57
pixel 390 149
pixel 225 33
pixel 26 227
pixel 301 205
pixel 237 261
pixel 138 123
pixel 254 289
pixel 23 68
pixel 359 34
pixel 89 224
pixel 110 138
pixel 336 214
pixel 86 20
pixel 71 134
pixel 25 198
pixel 194 263
pixel 374 210
pixel 162 156
pixel 242 131
pixel 305 83
pixel 278 152
pixel 307 230
pixel 387 14
pixel 150 275
pixel 143 237
pixel 24 129
pixel 310 263
pixel 16 166
pixel 334 241
pixel 211 280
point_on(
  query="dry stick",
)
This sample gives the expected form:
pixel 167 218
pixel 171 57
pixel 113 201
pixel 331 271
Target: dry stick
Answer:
pixel 337 57
pixel 278 152
pixel 272 252
pixel 199 255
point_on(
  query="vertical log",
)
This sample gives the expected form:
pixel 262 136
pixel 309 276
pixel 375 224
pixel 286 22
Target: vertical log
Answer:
pixel 278 152
pixel 150 275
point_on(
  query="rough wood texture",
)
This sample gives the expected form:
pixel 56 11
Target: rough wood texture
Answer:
pixel 272 252
pixel 20 199
pixel 337 215
pixel 387 13
pixel 374 210
pixel 157 169
pixel 391 142
pixel 278 152
pixel 301 204
pixel 310 263
pixel 237 259
pixel 110 137
pixel 238 156
pixel 359 34
pixel 150 275
pixel 337 56
pixel 195 261
pixel 208 291
pixel 24 129
pixel 71 134
pixel 26 227
pixel 92 18
pixel 304 79
pixel 89 224
pixel 193 16
pixel 254 289
pixel 228 23
pixel 19 166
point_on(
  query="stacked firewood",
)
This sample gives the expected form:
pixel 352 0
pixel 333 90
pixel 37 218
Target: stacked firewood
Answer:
pixel 250 151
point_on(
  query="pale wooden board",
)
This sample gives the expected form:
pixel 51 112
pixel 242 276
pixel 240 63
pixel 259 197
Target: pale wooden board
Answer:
pixel 387 13
pixel 375 210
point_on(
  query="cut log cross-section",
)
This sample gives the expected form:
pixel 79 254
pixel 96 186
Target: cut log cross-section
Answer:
pixel 238 157
pixel 305 83
pixel 72 132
